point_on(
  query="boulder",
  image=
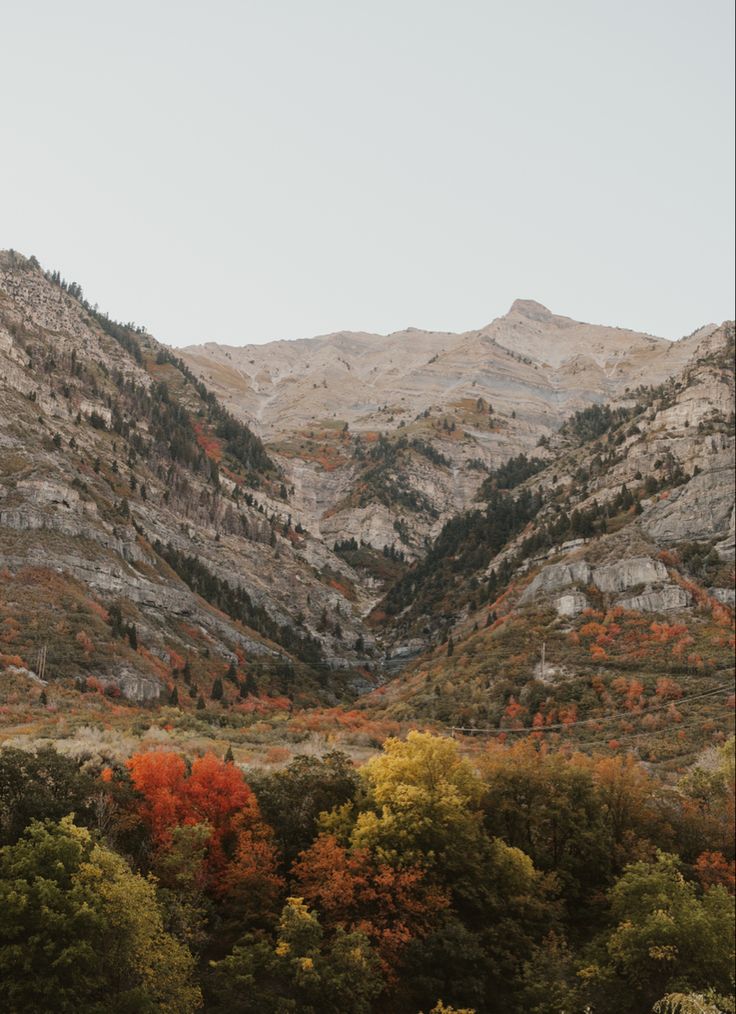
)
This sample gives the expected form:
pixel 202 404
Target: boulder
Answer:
pixel 133 686
pixel 726 596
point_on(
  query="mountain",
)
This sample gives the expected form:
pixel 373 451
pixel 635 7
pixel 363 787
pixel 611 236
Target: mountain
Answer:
pixel 591 596
pixel 144 539
pixel 396 523
pixel 384 438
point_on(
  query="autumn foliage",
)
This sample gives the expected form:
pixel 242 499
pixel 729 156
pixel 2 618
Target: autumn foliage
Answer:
pixel 525 879
pixel 355 890
pixel 212 794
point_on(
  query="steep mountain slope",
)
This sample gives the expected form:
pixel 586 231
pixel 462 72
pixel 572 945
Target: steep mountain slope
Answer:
pixel 141 525
pixel 447 406
pixel 532 488
pixel 589 596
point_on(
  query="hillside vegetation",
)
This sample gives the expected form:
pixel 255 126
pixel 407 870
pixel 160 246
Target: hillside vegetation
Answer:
pixel 364 676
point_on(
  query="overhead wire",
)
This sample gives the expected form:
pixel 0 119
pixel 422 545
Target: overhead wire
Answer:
pixel 611 716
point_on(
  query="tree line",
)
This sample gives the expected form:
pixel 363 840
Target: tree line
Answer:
pixel 526 881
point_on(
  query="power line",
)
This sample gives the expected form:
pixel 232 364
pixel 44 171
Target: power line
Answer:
pixel 586 721
pixel 639 735
pixel 605 740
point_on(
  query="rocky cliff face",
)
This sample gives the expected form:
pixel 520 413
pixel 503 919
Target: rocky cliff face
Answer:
pixel 148 536
pixel 617 567
pixel 468 401
pixel 113 477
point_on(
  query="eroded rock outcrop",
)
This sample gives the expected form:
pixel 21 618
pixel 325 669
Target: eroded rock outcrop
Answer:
pixel 618 577
pixel 571 605
pixel 556 577
pixel 663 600
pixel 702 509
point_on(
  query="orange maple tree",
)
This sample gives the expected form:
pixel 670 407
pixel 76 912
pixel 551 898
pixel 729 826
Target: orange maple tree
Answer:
pixel 240 849
pixel 355 890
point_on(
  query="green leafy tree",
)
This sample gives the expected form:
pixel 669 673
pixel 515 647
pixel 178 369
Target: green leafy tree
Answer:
pixel 664 938
pixel 38 785
pixel 448 963
pixel 80 932
pixel 299 971
pixel 292 799
pixel 552 809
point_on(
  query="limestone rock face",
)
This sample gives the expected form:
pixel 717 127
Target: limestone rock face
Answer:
pixel 611 579
pixel 373 524
pixel 726 548
pixel 134 687
pixel 552 579
pixel 660 601
pixel 703 509
pixel 618 577
pixel 571 605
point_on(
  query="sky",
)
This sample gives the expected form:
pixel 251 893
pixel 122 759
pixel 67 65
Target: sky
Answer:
pixel 258 169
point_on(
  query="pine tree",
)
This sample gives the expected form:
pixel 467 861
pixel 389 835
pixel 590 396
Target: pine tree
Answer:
pixel 174 697
pixel 450 647
pixel 200 703
pixel 229 758
pixel 217 690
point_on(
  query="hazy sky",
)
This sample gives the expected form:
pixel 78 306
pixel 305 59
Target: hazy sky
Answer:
pixel 241 171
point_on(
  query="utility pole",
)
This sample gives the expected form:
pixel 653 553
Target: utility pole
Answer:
pixel 41 662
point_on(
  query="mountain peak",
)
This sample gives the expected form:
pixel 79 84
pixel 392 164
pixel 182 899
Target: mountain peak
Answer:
pixel 530 308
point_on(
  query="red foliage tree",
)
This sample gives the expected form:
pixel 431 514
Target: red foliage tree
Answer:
pixel 713 868
pixel 159 778
pixel 215 794
pixel 354 890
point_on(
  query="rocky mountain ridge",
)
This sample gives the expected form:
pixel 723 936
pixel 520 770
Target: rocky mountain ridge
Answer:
pixel 113 475
pixel 614 568
pixel 463 403
pixel 152 542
